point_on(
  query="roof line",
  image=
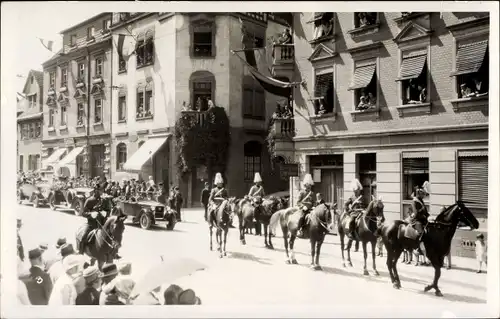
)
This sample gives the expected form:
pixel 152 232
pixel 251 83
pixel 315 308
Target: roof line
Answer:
pixel 95 17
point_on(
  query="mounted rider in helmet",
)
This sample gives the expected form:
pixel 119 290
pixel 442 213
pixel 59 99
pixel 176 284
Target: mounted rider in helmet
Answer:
pixel 95 219
pixel 218 197
pixel 419 215
pixel 354 205
pixel 256 195
pixel 305 202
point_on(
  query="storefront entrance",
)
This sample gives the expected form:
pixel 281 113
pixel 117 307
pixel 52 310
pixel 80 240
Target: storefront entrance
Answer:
pixel 97 164
pixel 328 173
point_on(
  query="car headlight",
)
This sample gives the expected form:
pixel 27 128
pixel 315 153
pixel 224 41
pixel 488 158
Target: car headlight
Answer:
pixel 152 208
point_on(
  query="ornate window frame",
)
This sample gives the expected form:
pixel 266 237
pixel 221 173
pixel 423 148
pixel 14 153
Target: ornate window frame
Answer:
pixel 330 37
pixel 359 31
pixel 204 21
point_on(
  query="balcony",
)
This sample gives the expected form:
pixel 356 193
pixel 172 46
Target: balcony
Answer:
pixel 284 128
pixel 283 60
pixel 201 117
pixel 282 133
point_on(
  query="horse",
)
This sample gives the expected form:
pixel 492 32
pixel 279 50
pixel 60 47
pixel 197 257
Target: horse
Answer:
pixel 220 219
pixel 105 240
pixel 437 237
pixel 246 214
pixel 320 223
pixel 366 230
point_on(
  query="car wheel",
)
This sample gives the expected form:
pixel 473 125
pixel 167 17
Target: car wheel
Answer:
pixel 35 201
pixel 19 197
pixel 78 207
pixel 52 202
pixel 171 222
pixel 145 221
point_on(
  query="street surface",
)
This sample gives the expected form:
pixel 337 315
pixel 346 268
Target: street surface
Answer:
pixel 252 274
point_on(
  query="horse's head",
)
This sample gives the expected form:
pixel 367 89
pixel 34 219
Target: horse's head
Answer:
pixel 234 205
pixel 115 227
pixel 325 213
pixel 458 213
pixel 376 209
pixel 273 204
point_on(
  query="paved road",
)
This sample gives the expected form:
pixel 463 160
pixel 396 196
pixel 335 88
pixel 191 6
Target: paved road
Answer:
pixel 252 274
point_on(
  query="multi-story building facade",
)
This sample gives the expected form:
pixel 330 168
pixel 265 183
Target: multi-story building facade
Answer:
pixel 184 59
pixel 29 123
pixel 393 99
pixel 77 109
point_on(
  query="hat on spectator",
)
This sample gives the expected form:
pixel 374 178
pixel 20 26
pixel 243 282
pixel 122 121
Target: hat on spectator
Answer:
pixel 479 236
pixel 109 270
pixel 67 249
pixel 91 274
pixel 171 294
pixel 71 262
pixel 35 253
pixel 124 267
pixel 43 246
pixel 60 242
pixel 188 297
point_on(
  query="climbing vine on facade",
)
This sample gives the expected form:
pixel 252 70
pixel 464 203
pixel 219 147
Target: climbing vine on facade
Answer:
pixel 202 142
pixel 270 139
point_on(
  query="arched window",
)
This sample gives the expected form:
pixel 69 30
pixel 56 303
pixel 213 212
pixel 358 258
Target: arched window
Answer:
pixel 253 156
pixel 121 155
pixel 202 86
pixel 254 100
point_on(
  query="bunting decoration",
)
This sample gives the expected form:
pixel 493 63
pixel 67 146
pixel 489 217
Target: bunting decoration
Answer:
pixel 47 44
pixel 256 60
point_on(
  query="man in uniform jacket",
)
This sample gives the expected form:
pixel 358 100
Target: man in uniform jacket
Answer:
pixel 256 194
pixel 419 216
pixel 20 247
pixel 354 205
pixel 178 202
pixel 38 283
pixel 90 206
pixel 305 202
pixel 205 194
pixel 218 195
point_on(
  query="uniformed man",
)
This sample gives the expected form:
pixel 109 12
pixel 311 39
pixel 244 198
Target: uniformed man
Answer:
pixel 354 206
pixel 20 247
pixel 305 202
pixel 419 215
pixel 218 195
pixel 256 194
pixel 38 283
pixel 94 218
pixel 319 199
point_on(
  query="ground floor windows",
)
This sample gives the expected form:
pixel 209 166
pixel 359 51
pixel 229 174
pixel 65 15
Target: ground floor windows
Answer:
pixel 472 180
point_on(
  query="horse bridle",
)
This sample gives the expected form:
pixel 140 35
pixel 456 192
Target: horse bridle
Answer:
pixel 114 242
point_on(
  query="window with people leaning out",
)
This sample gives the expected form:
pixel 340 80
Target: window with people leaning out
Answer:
pixel 145 50
pixel 202 45
pixel 144 103
pixel 364 19
pixel 323 94
pixel 323 25
pixel 31 130
pixel 366 98
pixel 415 173
pixel 415 90
pixel 474 84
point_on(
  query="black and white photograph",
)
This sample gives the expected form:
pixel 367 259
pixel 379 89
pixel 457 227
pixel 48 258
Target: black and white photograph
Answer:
pixel 250 164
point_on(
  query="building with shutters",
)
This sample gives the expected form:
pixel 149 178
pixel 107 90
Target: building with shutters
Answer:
pixel 29 123
pixel 393 99
pixel 77 118
pixel 165 63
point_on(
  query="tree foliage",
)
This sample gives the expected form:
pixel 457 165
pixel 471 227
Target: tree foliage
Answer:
pixel 202 143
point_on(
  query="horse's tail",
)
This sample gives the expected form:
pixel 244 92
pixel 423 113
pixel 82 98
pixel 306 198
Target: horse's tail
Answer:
pixel 274 221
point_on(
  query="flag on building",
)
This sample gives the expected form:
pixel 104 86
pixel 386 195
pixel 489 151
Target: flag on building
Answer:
pixel 126 46
pixel 258 61
pixel 47 44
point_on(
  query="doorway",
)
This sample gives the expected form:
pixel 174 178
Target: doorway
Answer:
pixel 97 160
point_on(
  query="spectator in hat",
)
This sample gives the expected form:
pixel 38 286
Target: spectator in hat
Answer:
pixel 38 283
pixel 56 270
pixel 51 256
pixel 109 272
pixel 178 202
pixel 91 294
pixel 20 247
pixel 171 295
pixel 205 194
pixel 481 252
pixel 124 268
pixel 64 292
pixel 122 287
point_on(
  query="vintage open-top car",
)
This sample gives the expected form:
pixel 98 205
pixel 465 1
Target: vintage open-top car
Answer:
pixel 147 212
pixel 36 193
pixel 69 198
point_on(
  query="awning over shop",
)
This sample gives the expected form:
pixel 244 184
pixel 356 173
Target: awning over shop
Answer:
pixel 70 157
pixel 412 67
pixel 31 116
pixel 362 76
pixel 470 57
pixel 144 153
pixel 54 157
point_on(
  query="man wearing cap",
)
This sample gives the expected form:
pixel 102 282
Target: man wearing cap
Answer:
pixel 109 272
pixel 91 294
pixel 419 215
pixel 56 270
pixel 218 195
pixel 205 194
pixel 178 202
pixel 64 292
pixel 305 202
pixel 256 194
pixel 20 247
pixel 38 283
pixel 93 222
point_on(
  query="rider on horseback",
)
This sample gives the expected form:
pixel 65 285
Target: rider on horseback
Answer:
pixel 354 205
pixel 92 204
pixel 256 194
pixel 305 203
pixel 218 195
pixel 419 215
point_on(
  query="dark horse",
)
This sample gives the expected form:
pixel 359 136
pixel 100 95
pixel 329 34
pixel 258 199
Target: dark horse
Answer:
pixel 320 223
pixel 220 220
pixel 246 214
pixel 437 238
pixel 366 230
pixel 106 239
